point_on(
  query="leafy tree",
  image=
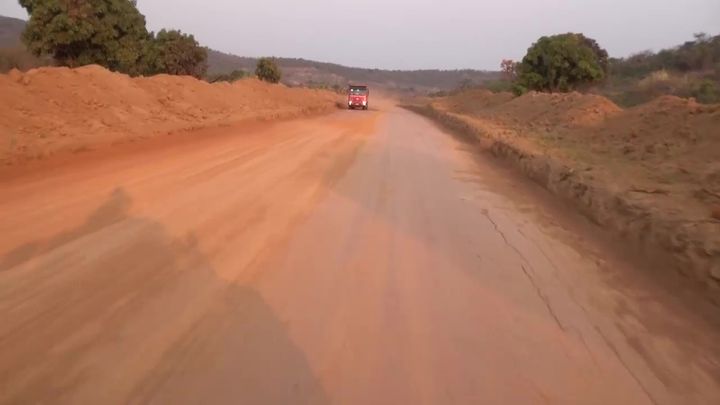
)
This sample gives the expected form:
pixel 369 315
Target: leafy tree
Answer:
pixel 699 54
pixel 175 53
pixel 509 69
pixel 562 63
pixel 603 59
pixel 111 33
pixel 268 70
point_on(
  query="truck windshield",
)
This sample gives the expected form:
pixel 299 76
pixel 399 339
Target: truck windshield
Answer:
pixel 358 90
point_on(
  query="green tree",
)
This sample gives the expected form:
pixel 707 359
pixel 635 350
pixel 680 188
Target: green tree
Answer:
pixel 111 33
pixel 268 70
pixel 601 55
pixel 562 63
pixel 174 53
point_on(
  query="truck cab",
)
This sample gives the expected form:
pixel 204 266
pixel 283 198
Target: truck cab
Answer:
pixel 358 96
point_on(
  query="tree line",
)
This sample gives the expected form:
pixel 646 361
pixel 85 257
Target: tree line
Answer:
pixel 572 61
pixel 113 34
pixel 700 54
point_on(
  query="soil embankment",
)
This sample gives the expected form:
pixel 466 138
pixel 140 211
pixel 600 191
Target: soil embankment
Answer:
pixel 650 173
pixel 51 110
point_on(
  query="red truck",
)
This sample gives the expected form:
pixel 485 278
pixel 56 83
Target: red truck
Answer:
pixel 358 96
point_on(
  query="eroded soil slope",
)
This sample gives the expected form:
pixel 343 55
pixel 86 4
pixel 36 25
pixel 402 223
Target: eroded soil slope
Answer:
pixel 657 163
pixel 50 110
pixel 669 147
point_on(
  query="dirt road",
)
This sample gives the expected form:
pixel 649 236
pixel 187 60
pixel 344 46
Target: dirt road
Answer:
pixel 358 258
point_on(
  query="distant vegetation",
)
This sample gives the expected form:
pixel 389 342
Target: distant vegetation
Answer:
pixel 296 72
pixel 267 70
pixel 109 33
pixel 302 72
pixel 700 54
pixel 689 70
pixel 557 63
pixel 574 62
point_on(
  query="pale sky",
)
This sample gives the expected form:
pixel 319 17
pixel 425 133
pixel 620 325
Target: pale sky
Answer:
pixel 422 34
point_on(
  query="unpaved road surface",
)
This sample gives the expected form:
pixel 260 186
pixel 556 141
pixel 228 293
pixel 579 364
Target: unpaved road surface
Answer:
pixel 357 258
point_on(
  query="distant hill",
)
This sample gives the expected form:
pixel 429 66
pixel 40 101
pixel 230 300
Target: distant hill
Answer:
pixel 295 71
pixel 10 31
pixel 302 71
pixel 12 52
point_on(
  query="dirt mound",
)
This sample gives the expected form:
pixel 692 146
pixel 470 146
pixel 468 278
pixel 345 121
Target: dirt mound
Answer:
pixel 666 128
pixel 48 110
pixel 475 100
pixel 571 109
pixel 533 109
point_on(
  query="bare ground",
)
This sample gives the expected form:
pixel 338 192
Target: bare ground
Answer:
pixel 355 258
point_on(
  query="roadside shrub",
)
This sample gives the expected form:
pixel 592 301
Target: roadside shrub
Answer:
pixel 659 76
pixel 315 85
pixel 267 70
pixel 338 88
pixel 519 89
pixel 498 86
pixel 628 92
pixel 706 91
pixel 233 76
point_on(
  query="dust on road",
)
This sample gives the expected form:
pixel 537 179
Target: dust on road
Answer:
pixel 362 257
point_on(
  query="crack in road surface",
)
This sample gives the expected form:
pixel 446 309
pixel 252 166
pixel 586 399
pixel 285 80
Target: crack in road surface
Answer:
pixel 528 276
pixel 543 298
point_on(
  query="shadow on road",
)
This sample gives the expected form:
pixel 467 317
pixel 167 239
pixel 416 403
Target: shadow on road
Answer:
pixel 114 210
pixel 119 311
